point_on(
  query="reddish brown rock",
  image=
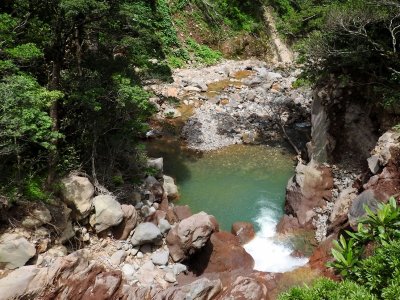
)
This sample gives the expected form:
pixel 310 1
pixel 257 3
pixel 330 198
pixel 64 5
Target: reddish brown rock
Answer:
pixel 309 188
pixel 227 254
pixel 182 212
pixel 321 256
pixel 122 231
pixel 244 231
pixel 287 224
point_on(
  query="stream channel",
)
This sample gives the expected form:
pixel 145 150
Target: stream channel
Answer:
pixel 236 183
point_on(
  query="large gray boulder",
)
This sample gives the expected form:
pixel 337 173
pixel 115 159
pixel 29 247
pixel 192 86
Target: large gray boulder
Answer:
pixel 15 251
pixel 108 212
pixel 190 235
pixel 78 192
pixel 146 233
pixel 357 210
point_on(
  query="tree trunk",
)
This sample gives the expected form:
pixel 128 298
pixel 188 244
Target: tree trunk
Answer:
pixel 54 84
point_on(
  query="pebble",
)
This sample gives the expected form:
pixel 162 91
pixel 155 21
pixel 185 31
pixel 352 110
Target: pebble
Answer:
pixel 169 277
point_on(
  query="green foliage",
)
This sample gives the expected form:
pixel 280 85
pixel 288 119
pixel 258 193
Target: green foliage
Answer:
pixel 346 256
pixel 24 52
pixel 381 270
pixel 34 190
pixel 203 54
pixel 374 277
pixel 328 289
pixel 23 113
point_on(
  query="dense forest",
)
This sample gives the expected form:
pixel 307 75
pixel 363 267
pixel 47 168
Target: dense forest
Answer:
pixel 72 82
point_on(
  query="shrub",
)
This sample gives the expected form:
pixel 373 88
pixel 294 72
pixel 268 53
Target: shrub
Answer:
pixel 330 290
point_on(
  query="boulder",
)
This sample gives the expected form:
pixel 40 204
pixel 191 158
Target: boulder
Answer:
pixel 287 224
pixel 357 211
pixel 223 253
pixel 246 288
pixel 67 233
pixel 164 226
pixel 130 218
pixel 342 204
pixel 202 289
pixel 78 192
pixel 182 212
pixel 39 216
pixel 170 187
pixel 190 235
pixel 160 258
pixel 244 231
pixel 311 187
pixel 16 284
pixel 108 212
pixel 146 233
pixel 15 251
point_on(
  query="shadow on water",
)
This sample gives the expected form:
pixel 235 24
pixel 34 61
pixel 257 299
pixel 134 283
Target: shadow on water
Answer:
pixel 176 156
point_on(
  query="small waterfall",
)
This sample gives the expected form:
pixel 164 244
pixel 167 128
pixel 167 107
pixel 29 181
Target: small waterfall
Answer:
pixel 268 254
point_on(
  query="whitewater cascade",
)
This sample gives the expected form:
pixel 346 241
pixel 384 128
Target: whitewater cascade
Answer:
pixel 270 255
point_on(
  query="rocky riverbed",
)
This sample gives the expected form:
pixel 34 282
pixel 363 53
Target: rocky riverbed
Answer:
pixel 235 102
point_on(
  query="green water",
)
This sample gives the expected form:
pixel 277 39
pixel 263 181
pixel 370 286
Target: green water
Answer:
pixel 236 183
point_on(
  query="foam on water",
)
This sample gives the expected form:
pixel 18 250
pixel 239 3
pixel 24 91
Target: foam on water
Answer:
pixel 269 255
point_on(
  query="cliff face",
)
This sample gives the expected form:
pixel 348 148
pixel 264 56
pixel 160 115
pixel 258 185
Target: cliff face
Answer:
pixel 346 166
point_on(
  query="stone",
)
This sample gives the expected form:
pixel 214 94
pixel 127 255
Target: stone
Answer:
pixel 130 218
pixel 160 258
pixel 170 187
pixel 190 235
pixel 164 226
pixel 67 233
pixel 118 257
pixel 16 284
pixel 128 271
pixel 309 188
pixel 287 224
pixel 182 212
pixel 244 231
pixel 170 277
pixel 78 191
pixel 246 288
pixel 146 233
pixel 172 92
pixel 39 216
pixel 156 163
pixel 15 251
pixel 134 251
pixel 57 251
pixel 203 289
pixel 108 213
pixel 223 253
pixel 373 164
pixel 178 268
pixel 342 204
pixel 357 211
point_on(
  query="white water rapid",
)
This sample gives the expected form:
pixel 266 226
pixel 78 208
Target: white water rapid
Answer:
pixel 269 255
